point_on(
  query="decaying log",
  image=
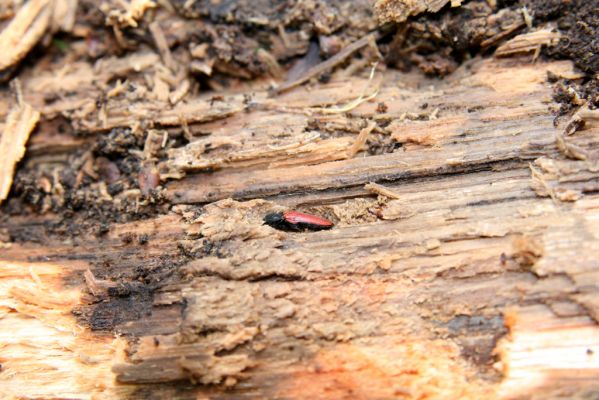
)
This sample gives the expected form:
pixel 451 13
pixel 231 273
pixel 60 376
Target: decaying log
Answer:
pixel 150 139
pixel 473 274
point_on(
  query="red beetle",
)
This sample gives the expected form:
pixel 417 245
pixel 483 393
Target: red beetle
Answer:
pixel 297 221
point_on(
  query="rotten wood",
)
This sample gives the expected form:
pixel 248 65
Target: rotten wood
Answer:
pixel 134 261
pixel 400 10
pixel 465 267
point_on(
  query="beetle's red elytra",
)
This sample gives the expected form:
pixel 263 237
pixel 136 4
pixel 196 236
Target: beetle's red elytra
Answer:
pixel 297 221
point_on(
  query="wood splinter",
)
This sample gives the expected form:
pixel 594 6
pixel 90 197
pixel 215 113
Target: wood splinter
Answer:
pixel 19 124
pixel 382 190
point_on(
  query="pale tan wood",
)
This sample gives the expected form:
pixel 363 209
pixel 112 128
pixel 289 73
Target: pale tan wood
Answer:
pixel 24 31
pixel 528 42
pixel 19 124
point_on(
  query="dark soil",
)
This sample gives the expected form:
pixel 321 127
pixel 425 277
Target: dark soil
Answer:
pixel 437 43
pixel 93 181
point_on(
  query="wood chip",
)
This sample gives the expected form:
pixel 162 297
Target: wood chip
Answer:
pixel 162 45
pixel 528 42
pixel 133 11
pixel 97 287
pixel 570 150
pixel 24 31
pixel 502 35
pixel 360 140
pixel 583 119
pixel 161 90
pixel 179 93
pixel 63 15
pixel 19 124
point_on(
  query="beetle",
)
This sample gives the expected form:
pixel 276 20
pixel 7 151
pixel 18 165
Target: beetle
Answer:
pixel 296 221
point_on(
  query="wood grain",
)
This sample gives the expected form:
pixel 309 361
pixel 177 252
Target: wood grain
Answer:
pixel 472 283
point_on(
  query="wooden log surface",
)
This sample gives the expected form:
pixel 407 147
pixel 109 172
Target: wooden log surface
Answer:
pixel 479 280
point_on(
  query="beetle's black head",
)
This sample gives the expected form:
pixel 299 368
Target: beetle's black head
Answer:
pixel 274 219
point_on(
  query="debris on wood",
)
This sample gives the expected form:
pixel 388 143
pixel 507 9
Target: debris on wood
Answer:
pixel 354 103
pixel 528 42
pixel 539 183
pixel 561 180
pixel 380 189
pixel 64 15
pixel 121 14
pixel 97 287
pixel 584 117
pixel 400 10
pixel 360 140
pixel 527 250
pixel 162 45
pixel 570 150
pixel 328 64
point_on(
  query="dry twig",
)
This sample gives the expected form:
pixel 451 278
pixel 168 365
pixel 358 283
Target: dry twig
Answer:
pixel 326 65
